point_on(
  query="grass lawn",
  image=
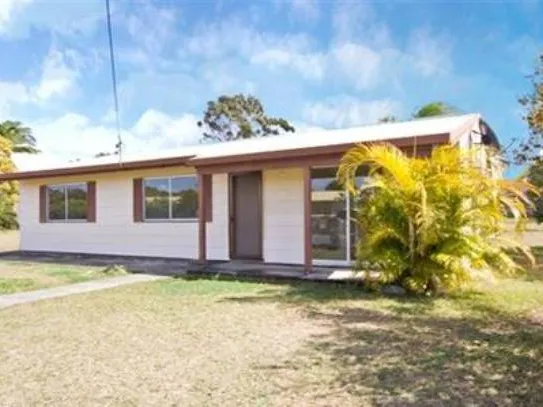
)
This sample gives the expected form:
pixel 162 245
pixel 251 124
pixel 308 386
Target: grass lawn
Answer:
pixel 231 343
pixel 27 276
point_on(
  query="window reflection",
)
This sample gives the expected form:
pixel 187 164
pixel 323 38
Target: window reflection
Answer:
pixel 171 198
pixel 333 216
pixel 328 215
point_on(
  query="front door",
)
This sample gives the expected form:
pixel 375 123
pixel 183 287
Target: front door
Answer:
pixel 246 216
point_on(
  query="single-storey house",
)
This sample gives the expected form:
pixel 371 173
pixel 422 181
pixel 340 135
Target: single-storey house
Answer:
pixel 270 199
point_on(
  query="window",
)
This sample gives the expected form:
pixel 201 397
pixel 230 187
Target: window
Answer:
pixel 67 202
pixel 328 215
pixel 334 230
pixel 173 198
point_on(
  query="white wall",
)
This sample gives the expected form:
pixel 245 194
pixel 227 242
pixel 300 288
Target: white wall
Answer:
pixel 115 231
pixel 283 216
pixel 217 231
pixel 493 165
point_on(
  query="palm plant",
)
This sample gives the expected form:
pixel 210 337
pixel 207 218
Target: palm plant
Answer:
pixel 434 109
pixel 431 223
pixel 19 136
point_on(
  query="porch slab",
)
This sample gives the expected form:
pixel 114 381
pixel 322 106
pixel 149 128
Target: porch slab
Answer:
pixel 252 269
pixel 185 267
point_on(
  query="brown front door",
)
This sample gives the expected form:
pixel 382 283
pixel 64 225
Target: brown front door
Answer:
pixel 246 216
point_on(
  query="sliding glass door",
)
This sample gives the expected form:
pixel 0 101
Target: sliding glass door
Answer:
pixel 333 226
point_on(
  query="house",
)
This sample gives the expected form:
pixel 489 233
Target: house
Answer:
pixel 272 199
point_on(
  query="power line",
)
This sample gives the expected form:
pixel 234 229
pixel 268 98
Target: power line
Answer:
pixel 119 145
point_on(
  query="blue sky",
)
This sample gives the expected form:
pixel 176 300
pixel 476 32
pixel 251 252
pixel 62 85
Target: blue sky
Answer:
pixel 323 64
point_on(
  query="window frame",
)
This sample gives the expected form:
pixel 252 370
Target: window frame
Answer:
pixel 170 218
pixel 348 259
pixel 66 206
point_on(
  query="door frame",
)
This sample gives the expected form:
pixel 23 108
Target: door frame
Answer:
pixel 232 216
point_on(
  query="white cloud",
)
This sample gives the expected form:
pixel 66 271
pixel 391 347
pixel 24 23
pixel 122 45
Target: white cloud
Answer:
pixel 224 56
pixel 12 93
pixel 351 20
pixel 308 65
pixel 74 136
pixel 233 37
pixel 7 9
pixel 151 29
pixel 429 53
pixel 358 63
pixel 59 74
pixel 347 111
pixel 364 59
pixel 157 131
pixel 19 17
pixel 60 71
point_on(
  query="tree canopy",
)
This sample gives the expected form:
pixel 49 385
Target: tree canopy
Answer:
pixel 388 119
pixel 8 190
pixel 432 109
pixel 19 136
pixel 531 148
pixel 239 117
pixel 535 177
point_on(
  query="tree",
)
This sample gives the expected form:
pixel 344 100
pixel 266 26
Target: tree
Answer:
pixel 430 223
pixel 387 119
pixel 535 177
pixel 8 189
pixel 105 154
pixel 239 117
pixel 434 109
pixel 19 136
pixel 532 148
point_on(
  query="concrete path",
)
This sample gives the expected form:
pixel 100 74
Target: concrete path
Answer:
pixel 9 300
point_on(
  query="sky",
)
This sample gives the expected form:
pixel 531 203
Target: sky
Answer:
pixel 319 64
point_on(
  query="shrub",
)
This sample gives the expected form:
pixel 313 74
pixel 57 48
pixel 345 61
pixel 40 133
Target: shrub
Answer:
pixel 430 223
pixel 8 190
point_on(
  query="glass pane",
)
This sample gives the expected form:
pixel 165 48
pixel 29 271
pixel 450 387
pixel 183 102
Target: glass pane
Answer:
pixel 185 198
pixel 77 201
pixel 328 215
pixel 157 198
pixel 356 201
pixel 56 202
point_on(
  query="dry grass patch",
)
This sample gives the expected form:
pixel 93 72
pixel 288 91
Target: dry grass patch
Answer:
pixel 174 343
pixel 228 343
pixel 9 240
pixel 16 276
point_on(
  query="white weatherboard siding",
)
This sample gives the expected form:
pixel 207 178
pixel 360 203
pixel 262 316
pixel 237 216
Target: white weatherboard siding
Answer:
pixel 115 231
pixel 217 230
pixel 283 211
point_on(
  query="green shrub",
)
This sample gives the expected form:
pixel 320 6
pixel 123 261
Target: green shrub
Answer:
pixel 8 190
pixel 431 223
